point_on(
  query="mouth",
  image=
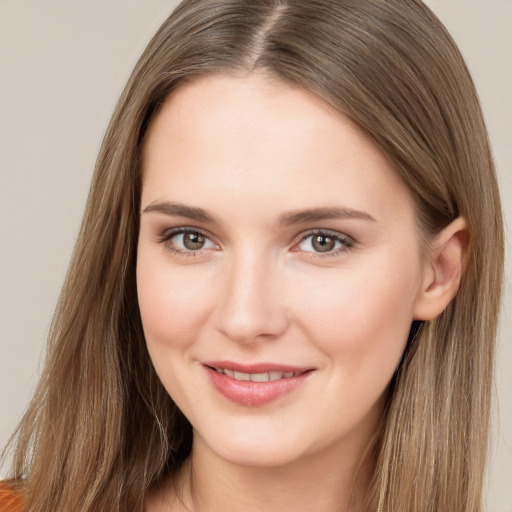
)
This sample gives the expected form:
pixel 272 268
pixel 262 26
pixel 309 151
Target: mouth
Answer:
pixel 269 376
pixel 255 385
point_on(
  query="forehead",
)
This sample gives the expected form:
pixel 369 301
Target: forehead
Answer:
pixel 265 140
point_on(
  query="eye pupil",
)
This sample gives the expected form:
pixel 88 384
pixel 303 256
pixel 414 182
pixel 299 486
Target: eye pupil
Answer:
pixel 322 243
pixel 193 241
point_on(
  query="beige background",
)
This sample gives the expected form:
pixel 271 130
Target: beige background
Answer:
pixel 62 66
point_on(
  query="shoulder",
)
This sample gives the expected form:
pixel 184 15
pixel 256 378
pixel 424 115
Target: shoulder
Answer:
pixel 11 499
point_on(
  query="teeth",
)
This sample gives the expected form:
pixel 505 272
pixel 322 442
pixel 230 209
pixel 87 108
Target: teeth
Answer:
pixel 257 377
pixel 242 376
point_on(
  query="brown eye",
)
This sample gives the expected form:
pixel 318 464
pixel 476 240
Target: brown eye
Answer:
pixel 187 241
pixel 322 243
pixel 193 241
pixel 326 243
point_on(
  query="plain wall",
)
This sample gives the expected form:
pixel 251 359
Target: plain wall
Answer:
pixel 62 66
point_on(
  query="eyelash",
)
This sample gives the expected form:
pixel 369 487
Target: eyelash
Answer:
pixel 347 242
pixel 171 233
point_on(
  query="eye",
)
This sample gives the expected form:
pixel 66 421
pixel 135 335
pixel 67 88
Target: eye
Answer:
pixel 187 241
pixel 325 243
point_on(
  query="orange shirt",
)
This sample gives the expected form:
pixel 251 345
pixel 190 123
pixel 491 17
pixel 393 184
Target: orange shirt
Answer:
pixel 10 500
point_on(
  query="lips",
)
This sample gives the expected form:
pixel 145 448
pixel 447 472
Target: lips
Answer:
pixel 257 377
pixel 255 385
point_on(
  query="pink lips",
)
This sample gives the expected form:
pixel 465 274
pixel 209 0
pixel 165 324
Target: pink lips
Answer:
pixel 282 380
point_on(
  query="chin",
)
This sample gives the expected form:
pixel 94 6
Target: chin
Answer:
pixel 254 449
pixel 268 457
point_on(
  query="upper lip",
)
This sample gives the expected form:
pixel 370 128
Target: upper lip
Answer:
pixel 255 367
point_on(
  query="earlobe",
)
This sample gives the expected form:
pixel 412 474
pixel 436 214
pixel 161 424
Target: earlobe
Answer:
pixel 443 271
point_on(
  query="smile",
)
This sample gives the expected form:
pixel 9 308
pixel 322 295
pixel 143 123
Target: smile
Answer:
pixel 257 377
pixel 255 385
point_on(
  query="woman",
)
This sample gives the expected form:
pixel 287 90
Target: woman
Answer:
pixel 285 290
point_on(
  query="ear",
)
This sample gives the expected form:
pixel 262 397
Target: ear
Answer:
pixel 443 270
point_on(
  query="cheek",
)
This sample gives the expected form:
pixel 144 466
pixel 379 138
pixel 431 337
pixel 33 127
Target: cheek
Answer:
pixel 360 321
pixel 173 305
pixel 173 309
pixel 360 315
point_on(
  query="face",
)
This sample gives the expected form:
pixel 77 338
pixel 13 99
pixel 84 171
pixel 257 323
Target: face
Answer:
pixel 279 268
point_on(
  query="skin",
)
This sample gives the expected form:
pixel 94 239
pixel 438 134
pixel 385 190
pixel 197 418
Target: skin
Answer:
pixel 251 151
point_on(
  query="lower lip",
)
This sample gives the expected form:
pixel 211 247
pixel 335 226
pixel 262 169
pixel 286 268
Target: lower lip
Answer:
pixel 254 394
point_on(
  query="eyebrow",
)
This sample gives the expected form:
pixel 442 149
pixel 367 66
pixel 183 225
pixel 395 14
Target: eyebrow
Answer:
pixel 289 218
pixel 317 214
pixel 182 210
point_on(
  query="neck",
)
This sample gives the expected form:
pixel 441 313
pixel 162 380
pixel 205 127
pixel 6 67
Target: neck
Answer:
pixel 325 482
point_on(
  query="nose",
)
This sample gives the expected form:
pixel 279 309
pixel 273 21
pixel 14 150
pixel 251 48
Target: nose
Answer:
pixel 253 301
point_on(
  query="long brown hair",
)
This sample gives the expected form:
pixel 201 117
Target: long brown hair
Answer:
pixel 101 430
